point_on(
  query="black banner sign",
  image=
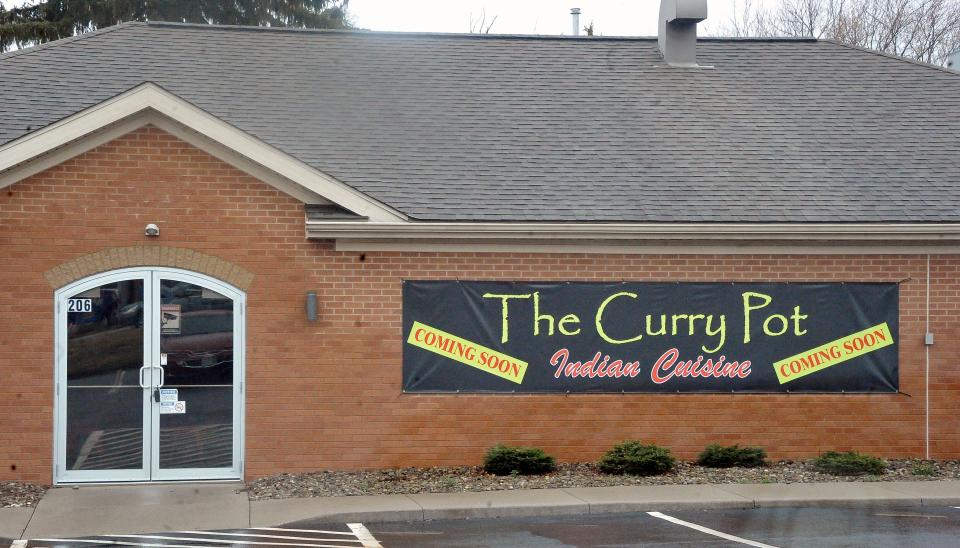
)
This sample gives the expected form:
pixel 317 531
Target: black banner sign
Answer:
pixel 650 337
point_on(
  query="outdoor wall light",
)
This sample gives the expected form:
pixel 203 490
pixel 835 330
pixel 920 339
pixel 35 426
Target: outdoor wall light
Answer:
pixel 152 230
pixel 311 306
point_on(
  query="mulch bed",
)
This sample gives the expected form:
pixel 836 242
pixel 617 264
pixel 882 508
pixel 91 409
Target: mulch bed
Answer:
pixel 459 479
pixel 15 494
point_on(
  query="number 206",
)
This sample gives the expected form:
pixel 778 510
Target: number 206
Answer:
pixel 80 305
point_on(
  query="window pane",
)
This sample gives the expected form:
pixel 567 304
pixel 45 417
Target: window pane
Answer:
pixel 104 398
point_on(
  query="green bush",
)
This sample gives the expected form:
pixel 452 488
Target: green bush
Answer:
pixel 504 460
pixel 848 464
pixel 923 469
pixel 635 458
pixel 719 456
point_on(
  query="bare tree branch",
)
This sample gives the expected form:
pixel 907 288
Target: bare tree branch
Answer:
pixel 480 25
pixel 925 30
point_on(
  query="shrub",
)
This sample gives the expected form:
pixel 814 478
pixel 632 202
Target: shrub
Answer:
pixel 923 469
pixel 848 464
pixel 718 456
pixel 635 458
pixel 504 460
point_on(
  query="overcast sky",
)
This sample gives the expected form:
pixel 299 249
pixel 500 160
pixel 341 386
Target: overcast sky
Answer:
pixel 610 17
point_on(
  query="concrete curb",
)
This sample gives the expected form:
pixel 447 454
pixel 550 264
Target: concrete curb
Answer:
pixel 602 500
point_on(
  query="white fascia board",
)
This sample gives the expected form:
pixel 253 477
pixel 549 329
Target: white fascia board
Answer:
pixel 63 153
pixel 648 247
pixel 651 232
pixel 149 96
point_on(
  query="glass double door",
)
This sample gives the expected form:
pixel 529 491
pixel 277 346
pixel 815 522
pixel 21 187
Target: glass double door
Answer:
pixel 149 378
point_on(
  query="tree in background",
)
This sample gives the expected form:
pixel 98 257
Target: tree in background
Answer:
pixel 480 24
pixel 55 19
pixel 924 30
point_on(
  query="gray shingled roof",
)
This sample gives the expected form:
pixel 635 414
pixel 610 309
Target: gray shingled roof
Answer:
pixel 464 127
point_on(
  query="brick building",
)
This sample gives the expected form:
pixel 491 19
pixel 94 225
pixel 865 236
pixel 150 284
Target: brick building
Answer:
pixel 207 236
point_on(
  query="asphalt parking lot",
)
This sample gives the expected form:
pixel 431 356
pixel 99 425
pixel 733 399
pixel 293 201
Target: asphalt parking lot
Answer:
pixel 340 535
pixel 820 527
pixel 782 527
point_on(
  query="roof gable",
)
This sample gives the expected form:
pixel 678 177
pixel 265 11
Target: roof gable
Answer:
pixel 151 104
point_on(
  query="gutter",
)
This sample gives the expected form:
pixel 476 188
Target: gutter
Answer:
pixel 876 233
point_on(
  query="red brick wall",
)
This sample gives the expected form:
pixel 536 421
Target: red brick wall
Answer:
pixel 327 394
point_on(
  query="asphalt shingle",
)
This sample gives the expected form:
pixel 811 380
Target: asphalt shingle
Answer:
pixel 487 128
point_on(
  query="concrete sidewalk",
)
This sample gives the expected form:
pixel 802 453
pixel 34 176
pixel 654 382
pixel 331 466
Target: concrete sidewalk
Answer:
pixel 99 510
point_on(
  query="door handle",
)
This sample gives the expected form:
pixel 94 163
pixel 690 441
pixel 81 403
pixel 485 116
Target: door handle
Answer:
pixel 142 385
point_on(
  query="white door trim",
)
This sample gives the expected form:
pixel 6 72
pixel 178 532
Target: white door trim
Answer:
pixel 239 335
pixel 150 471
pixel 60 473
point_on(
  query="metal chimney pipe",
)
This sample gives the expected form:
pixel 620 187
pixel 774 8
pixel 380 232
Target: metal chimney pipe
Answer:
pixel 575 12
pixel 678 30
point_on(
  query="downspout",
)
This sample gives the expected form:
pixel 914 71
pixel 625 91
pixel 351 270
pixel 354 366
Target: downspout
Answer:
pixel 926 349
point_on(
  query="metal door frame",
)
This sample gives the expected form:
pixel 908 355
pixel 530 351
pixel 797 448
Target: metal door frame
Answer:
pixel 235 471
pixel 150 471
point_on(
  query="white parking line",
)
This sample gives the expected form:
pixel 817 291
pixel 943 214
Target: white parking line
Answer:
pixel 232 541
pixel 303 531
pixel 117 543
pixel 364 535
pixel 225 543
pixel 358 537
pixel 281 537
pixel 709 531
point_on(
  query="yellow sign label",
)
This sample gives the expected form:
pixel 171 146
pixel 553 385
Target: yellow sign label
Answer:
pixel 832 353
pixel 466 352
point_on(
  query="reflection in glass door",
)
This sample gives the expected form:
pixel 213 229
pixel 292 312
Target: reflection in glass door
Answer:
pixel 195 411
pixel 149 378
pixel 106 422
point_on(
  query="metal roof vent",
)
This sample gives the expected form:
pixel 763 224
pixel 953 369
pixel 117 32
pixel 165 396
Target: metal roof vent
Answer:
pixel 575 13
pixel 953 61
pixel 678 30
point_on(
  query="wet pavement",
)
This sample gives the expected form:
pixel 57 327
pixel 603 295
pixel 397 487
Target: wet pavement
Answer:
pixel 341 535
pixel 214 516
pixel 927 527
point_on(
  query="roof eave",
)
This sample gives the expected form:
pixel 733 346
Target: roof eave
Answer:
pixel 546 233
pixel 151 98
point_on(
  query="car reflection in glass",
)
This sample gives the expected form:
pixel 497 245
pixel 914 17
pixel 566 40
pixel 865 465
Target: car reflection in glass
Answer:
pixel 131 314
pixel 202 352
